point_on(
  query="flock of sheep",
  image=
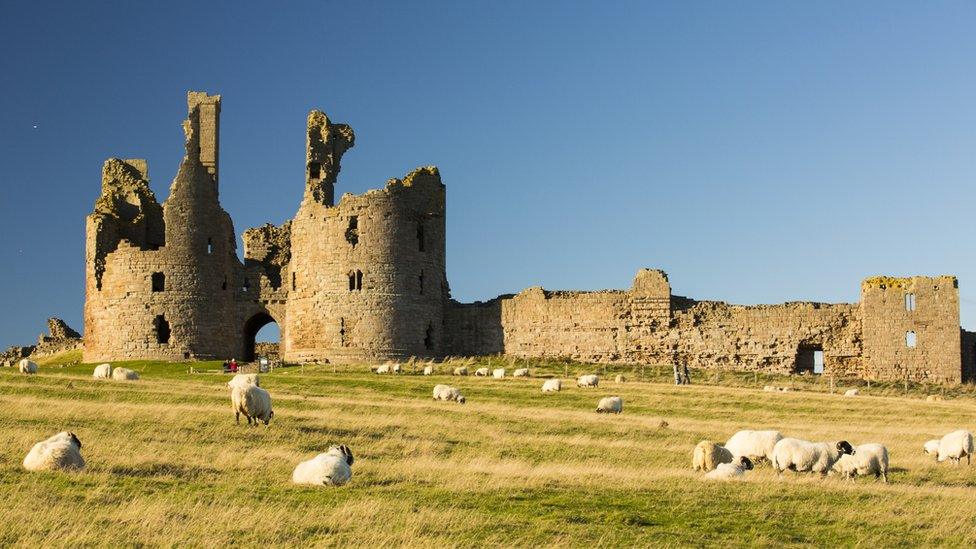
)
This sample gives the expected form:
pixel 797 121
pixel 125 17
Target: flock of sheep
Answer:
pixel 746 448
pixel 739 454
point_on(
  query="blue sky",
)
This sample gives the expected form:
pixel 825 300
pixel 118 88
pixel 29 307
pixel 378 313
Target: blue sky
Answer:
pixel 759 152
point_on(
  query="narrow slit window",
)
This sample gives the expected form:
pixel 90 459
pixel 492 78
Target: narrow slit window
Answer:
pixel 421 281
pixel 343 333
pixel 352 231
pixel 247 285
pixel 429 337
pixel 293 284
pixel 420 235
pixel 158 282
pixel 161 327
pixel 209 246
pixel 911 340
pixel 910 302
pixel 352 281
pixel 359 280
pixel 223 286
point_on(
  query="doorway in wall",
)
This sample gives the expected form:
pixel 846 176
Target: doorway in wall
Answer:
pixel 261 337
pixel 809 360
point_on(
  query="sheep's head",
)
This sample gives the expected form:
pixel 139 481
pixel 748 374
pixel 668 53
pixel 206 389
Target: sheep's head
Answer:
pixel 75 439
pixel 746 463
pixel 845 447
pixel 267 420
pixel 932 447
pixel 342 451
pixel 461 399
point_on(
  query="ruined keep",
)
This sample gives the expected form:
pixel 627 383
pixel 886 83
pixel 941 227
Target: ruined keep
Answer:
pixel 364 279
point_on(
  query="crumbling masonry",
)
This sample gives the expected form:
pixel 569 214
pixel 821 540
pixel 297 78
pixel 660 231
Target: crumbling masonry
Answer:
pixel 365 280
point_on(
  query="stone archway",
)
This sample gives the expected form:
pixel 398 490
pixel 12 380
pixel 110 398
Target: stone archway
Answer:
pixel 251 328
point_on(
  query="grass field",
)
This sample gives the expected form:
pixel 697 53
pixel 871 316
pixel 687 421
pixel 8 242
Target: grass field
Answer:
pixel 168 466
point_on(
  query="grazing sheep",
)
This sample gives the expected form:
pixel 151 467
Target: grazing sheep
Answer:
pixel 785 389
pixel 620 379
pixel 552 386
pixel 755 445
pixel 498 373
pixel 851 393
pixel 103 371
pixel 803 456
pixel 709 455
pixel 396 369
pixel 27 366
pixel 60 452
pixel 124 374
pixel 589 380
pixel 460 371
pixel 954 447
pixel 429 370
pixel 521 372
pixel 481 372
pixel 730 471
pixel 448 394
pixel 244 380
pixel 610 405
pixel 383 369
pixel 252 401
pixel 329 469
pixel 867 459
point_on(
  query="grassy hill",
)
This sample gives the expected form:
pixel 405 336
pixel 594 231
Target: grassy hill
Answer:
pixel 168 466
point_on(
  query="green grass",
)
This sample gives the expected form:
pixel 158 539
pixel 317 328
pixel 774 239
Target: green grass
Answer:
pixel 513 467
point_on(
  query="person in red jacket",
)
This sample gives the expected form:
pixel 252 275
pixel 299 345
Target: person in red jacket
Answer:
pixel 233 365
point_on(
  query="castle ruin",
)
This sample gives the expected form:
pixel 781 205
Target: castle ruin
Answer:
pixel 365 280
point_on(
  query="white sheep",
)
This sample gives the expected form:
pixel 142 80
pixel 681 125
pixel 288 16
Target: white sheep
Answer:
pixel 521 372
pixel 383 369
pixel 460 371
pixel 851 393
pixel 755 445
pixel 27 366
pixel 770 389
pixel 252 401
pixel 610 405
pixel 103 371
pixel 867 459
pixel 329 469
pixel 552 386
pixel 589 380
pixel 954 446
pixel 60 452
pixel 482 372
pixel 730 471
pixel 397 368
pixel 934 398
pixel 124 374
pixel 429 370
pixel 620 379
pixel 708 455
pixel 448 394
pixel 498 373
pixel 244 380
pixel 804 456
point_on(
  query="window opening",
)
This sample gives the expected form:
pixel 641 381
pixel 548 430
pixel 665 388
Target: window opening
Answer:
pixel 352 231
pixel 158 282
pixel 161 326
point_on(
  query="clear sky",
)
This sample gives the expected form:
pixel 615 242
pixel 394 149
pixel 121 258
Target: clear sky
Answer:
pixel 759 152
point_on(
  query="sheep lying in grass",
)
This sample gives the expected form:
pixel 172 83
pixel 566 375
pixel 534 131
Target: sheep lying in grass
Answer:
pixel 552 386
pixel 124 374
pixel 60 452
pixel 396 368
pixel 589 380
pixel 498 373
pixel 755 445
pixel 448 394
pixel 103 371
pixel 851 393
pixel 329 469
pixel 429 370
pixel 460 371
pixel 867 459
pixel 521 372
pixel 482 372
pixel 382 369
pixel 730 471
pixel 708 455
pixel 27 366
pixel 804 456
pixel 252 401
pixel 610 405
pixel 244 380
pixel 954 446
pixel 620 379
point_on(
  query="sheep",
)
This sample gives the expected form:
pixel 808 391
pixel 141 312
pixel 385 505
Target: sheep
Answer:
pixel 590 380
pixel 383 369
pixel 610 405
pixel 755 445
pixel 620 379
pixel 103 371
pixel 552 386
pixel 448 394
pixel 730 471
pixel 481 372
pixel 867 459
pixel 770 389
pixel 803 456
pixel 953 447
pixel 851 393
pixel 709 455
pixel 244 380
pixel 329 469
pixel 498 373
pixel 396 369
pixel 429 370
pixel 934 398
pixel 124 374
pixel 60 452
pixel 26 366
pixel 521 372
pixel 252 401
pixel 460 371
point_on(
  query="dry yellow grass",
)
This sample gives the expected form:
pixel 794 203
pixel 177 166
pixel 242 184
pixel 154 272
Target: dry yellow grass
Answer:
pixel 513 467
